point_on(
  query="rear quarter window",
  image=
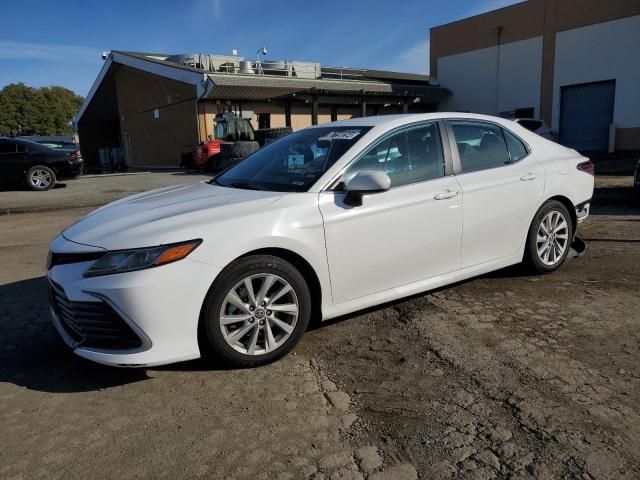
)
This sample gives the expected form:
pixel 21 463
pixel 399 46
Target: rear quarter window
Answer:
pixel 517 149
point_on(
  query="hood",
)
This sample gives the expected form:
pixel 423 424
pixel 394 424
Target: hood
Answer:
pixel 165 215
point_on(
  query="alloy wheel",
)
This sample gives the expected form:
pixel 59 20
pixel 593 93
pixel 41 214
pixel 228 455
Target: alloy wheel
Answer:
pixel 259 314
pixel 40 178
pixel 552 239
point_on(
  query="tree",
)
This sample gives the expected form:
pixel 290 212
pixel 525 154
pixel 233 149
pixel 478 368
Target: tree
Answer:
pixel 37 111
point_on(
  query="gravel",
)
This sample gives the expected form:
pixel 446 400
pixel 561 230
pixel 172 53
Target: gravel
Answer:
pixel 505 376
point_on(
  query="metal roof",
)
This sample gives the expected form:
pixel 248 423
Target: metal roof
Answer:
pixel 259 87
pixel 239 86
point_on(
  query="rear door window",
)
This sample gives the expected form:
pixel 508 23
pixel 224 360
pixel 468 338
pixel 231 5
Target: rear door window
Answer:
pixel 480 145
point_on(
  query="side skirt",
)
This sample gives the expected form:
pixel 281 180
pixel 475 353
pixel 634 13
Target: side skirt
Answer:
pixel 418 287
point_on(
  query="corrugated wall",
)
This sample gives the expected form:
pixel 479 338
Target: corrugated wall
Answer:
pixel 158 116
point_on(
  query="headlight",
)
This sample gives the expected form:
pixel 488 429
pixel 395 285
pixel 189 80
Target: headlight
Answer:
pixel 120 261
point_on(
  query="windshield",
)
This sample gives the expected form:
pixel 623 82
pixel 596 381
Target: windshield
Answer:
pixel 294 162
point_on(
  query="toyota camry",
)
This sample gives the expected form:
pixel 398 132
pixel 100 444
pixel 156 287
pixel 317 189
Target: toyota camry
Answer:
pixel 326 221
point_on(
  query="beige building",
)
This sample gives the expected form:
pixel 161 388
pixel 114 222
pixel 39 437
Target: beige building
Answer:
pixel 573 63
pixel 158 107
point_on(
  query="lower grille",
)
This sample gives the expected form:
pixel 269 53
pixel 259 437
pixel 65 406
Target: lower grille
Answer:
pixel 92 324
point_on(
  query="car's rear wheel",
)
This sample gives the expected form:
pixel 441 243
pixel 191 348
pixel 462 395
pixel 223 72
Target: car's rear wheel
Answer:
pixel 549 238
pixel 256 311
pixel 40 178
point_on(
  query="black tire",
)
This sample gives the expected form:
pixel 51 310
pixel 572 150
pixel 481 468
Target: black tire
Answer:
pixel 211 337
pixel 237 150
pixel 40 172
pixel 220 163
pixel 531 256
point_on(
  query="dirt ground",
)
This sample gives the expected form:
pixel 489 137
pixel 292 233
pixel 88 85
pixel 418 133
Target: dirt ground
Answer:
pixel 504 376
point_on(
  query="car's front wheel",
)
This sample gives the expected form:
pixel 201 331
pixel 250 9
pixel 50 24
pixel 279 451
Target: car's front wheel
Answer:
pixel 256 311
pixel 549 238
pixel 40 178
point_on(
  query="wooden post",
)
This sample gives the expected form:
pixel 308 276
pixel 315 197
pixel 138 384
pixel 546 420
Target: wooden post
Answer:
pixel 287 114
pixel 314 110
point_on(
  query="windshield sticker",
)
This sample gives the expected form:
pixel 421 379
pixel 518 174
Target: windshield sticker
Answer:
pixel 341 135
pixel 295 161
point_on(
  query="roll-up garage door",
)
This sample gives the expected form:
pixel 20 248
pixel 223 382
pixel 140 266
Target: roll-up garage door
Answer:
pixel 586 111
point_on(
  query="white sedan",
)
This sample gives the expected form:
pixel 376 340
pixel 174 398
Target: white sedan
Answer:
pixel 323 222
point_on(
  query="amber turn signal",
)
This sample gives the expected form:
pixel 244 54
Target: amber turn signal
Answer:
pixel 176 253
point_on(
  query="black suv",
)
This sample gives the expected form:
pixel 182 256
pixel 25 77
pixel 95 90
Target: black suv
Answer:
pixel 36 165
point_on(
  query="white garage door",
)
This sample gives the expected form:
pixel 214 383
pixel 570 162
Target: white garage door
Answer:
pixel 586 111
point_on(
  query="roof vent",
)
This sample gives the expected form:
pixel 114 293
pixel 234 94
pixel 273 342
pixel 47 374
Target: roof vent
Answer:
pixel 246 67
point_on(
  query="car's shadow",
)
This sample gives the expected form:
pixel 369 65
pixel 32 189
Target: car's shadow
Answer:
pixel 33 356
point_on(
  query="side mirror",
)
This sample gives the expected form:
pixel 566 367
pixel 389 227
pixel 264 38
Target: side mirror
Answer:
pixel 366 181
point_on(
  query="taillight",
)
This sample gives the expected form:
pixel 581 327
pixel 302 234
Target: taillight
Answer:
pixel 586 167
pixel 73 157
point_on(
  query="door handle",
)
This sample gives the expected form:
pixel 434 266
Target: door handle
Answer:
pixel 529 176
pixel 447 194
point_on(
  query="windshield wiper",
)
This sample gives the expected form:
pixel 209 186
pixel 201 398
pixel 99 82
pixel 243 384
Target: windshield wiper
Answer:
pixel 245 185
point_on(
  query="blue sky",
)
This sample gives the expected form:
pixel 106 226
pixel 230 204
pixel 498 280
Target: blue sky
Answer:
pixel 59 43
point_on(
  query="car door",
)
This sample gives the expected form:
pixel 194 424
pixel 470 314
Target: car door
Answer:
pixel 410 232
pixel 501 182
pixel 11 162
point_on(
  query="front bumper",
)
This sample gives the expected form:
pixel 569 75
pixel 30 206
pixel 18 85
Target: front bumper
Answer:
pixel 160 305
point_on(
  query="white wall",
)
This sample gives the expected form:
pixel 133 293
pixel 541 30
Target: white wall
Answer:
pixel 473 78
pixel 604 51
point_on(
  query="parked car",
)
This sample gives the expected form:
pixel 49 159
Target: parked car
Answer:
pixel 23 162
pixel 327 220
pixel 536 126
pixel 636 178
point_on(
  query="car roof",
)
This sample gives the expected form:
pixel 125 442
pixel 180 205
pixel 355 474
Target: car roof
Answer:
pixel 406 118
pixel 25 142
pixel 528 120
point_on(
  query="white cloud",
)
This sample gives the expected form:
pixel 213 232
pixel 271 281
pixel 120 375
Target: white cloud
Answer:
pixel 416 58
pixel 413 60
pixel 217 8
pixel 47 52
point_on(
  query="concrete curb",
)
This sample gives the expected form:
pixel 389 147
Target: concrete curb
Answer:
pixel 118 174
